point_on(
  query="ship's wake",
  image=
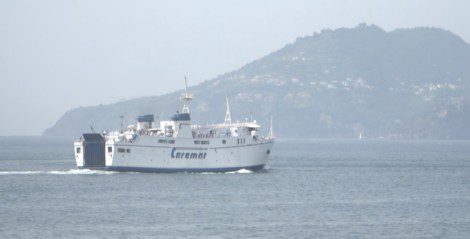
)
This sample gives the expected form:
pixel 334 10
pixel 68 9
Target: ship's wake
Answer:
pixel 58 172
pixel 96 172
pixel 231 172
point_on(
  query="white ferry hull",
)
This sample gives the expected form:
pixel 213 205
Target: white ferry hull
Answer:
pixel 146 156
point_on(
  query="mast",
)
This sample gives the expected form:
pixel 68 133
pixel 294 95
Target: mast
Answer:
pixel 186 96
pixel 228 117
pixel 122 123
pixel 271 132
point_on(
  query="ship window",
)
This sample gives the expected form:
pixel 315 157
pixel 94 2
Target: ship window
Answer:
pixel 224 141
pixel 128 150
pixel 204 142
pixel 197 142
pixel 79 150
pixel 110 149
pixel 171 141
pixel 162 141
pixel 121 150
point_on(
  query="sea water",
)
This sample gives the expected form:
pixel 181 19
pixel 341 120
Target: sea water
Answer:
pixel 310 189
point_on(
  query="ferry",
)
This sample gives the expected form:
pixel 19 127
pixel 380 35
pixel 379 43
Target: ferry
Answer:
pixel 176 145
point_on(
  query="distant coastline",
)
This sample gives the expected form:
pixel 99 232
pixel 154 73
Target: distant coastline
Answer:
pixel 404 84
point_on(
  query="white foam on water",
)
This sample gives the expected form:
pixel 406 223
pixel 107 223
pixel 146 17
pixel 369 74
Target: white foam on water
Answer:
pixel 231 172
pixel 80 171
pixel 68 172
pixel 19 172
pixel 244 171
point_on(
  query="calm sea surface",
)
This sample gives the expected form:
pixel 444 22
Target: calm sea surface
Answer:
pixel 310 189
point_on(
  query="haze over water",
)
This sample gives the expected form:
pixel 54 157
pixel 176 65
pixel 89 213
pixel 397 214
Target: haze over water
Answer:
pixel 311 188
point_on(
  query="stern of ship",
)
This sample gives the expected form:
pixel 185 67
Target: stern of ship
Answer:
pixel 90 151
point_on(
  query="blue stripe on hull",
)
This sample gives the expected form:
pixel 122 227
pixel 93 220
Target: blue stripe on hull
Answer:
pixel 189 170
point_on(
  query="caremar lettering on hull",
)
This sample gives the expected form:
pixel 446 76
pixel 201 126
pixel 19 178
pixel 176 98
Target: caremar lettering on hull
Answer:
pixel 187 155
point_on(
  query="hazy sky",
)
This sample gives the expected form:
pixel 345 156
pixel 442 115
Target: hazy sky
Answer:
pixel 57 55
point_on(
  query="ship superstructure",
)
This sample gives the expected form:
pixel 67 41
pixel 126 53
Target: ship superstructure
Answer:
pixel 177 145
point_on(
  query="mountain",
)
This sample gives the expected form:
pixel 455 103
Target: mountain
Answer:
pixel 407 83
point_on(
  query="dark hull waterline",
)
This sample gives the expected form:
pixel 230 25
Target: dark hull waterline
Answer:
pixel 176 170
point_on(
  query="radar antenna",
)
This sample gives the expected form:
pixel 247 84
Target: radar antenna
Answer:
pixel 228 117
pixel 186 96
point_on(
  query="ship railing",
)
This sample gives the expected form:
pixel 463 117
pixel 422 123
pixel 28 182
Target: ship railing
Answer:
pixel 199 135
pixel 80 140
